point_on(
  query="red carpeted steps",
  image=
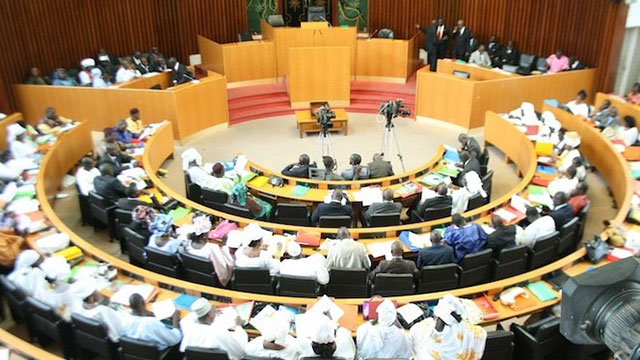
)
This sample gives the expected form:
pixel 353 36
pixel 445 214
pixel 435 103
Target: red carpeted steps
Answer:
pixel 262 101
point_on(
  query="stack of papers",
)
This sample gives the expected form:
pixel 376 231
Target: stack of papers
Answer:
pixel 542 291
pixel 433 179
pixel 122 296
pixel 369 195
pixel 184 301
pixel 408 189
pixel 452 156
pixel 519 203
pixel 326 306
pixel 380 249
pixel 506 215
pixel 415 242
pixel 448 171
pixel 540 195
pixel 23 206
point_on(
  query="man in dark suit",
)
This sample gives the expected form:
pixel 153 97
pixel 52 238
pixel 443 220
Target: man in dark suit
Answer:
pixel 436 254
pixel 397 265
pixel 115 157
pixel 300 169
pixel 109 187
pixel 387 206
pixel 493 48
pixel 430 43
pixel 470 144
pixel 509 55
pixel 503 236
pixel 562 212
pixel 469 163
pixel 461 37
pixel 442 39
pixel 179 73
pixel 379 167
pixel 334 208
pixel 442 200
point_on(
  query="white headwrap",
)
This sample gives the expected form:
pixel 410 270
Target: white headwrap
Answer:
pixel 55 267
pixel 474 183
pixel 294 249
pixel 550 121
pixel 386 313
pixel 26 259
pixel 277 328
pixel 88 62
pixel 202 224
pixel 190 155
pixel 85 288
pixel 251 233
pixel 201 307
pixel 234 239
pixel 323 329
pixel 13 131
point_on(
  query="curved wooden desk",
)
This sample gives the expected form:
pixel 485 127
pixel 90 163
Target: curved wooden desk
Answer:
pixel 624 108
pixel 23 348
pixel 498 132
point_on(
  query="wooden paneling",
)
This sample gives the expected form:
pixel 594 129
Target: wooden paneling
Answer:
pixel 59 33
pixel 382 58
pixel 200 106
pixel 249 60
pixel 11 119
pixel 590 29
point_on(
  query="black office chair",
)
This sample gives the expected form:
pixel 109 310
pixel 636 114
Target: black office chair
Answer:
pixel 200 353
pixel 567 240
pixel 103 212
pixel 15 298
pixel 251 357
pixel 123 219
pixel 135 246
pixel 438 278
pixel 510 262
pixel 541 65
pixel 237 210
pixel 164 263
pixel 317 174
pixel 393 285
pixel 133 349
pixel 487 185
pixel 321 358
pixel 540 340
pixel 582 215
pixel 91 338
pixel 244 36
pixel 499 346
pixel 85 208
pixel 214 199
pixel 545 251
pixel 430 214
pixel 348 283
pixel 199 270
pixel 475 201
pixel 484 162
pixel 525 64
pixel 292 214
pixel 334 221
pixel 298 286
pixel 475 268
pixel 381 220
pixel 48 327
pixel 257 280
pixel 193 190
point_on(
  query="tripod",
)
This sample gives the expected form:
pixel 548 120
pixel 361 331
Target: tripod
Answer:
pixel 324 146
pixel 388 139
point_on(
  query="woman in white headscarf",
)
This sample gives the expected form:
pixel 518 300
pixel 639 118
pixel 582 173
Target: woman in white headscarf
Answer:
pixel 472 185
pixel 19 145
pixel 163 237
pixel 26 274
pixel 98 81
pixel 252 255
pixel 199 245
pixel 55 291
pixel 274 340
pixel 524 115
pixel 325 339
pixel 448 335
pixel 383 339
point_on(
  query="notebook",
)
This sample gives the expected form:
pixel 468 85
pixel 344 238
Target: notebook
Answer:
pixel 542 291
pixel 299 190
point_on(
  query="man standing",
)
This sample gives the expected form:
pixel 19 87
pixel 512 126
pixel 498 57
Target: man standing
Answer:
pixel 442 39
pixel 461 36
pixel 430 43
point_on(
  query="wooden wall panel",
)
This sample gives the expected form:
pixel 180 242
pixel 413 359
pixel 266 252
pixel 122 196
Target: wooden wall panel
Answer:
pixel 59 33
pixel 589 29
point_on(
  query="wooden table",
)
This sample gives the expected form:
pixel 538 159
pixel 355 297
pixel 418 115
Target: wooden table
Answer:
pixel 307 123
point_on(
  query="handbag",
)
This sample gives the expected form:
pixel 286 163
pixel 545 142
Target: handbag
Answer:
pixel 222 230
pixel 370 307
pixel 596 250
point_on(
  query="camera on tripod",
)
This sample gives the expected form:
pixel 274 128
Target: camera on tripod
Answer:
pixel 324 115
pixel 393 109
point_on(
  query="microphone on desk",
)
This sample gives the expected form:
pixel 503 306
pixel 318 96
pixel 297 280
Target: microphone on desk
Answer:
pixel 325 19
pixel 373 33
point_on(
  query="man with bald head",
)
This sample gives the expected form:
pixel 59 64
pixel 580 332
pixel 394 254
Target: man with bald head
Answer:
pixel 440 201
pixel 387 206
pixel 397 265
pixel 379 167
pixel 348 253
pixel 299 169
pixel 470 144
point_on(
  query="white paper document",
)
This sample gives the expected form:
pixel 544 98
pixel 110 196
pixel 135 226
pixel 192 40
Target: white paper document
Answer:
pixel 506 215
pixel 163 309
pixel 326 306
pixel 410 312
pixel 122 296
pixel 369 195
pixel 380 249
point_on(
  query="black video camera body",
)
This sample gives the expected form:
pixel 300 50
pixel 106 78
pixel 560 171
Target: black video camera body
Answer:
pixel 392 109
pixel 324 115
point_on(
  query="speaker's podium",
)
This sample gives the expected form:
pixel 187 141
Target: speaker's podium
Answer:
pixel 321 73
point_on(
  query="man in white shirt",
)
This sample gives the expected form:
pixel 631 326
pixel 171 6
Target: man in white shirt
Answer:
pixel 384 339
pixel 85 175
pixel 91 307
pixel 201 329
pixel 480 57
pixel 20 146
pixel 10 169
pixel 26 273
pixel 217 181
pixel 313 266
pixel 144 326
pixel 539 227
pixel 348 253
pixel 629 132
pixel 127 72
pixel 85 77
pixel 56 292
pixel 579 106
pixel 566 182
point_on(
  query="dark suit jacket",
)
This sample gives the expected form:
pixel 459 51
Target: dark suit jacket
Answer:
pixel 299 171
pixel 127 203
pixel 395 266
pixel 429 38
pixel 511 58
pixel 493 48
pixel 378 169
pixel 116 162
pixel 331 209
pixel 502 238
pixel 383 208
pixel 182 75
pixel 562 215
pixel 473 148
pixel 110 188
pixel 435 255
pixel 461 43
pixel 472 165
pixel 437 202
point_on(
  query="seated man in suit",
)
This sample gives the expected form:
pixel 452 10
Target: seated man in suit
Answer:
pixel 436 254
pixel 397 265
pixel 356 171
pixel 562 212
pixel 503 236
pixel 330 167
pixel 299 169
pixel 334 208
pixel 539 227
pixel 116 158
pixel 387 206
pixel 109 187
pixel 179 73
pixel 465 238
pixel 469 163
pixel 379 167
pixel 442 200
pixel 470 145
pixel 348 253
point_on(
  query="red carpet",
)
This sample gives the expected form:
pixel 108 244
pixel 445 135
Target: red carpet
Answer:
pixel 261 101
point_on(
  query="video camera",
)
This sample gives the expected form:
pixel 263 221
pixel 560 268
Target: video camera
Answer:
pixel 392 109
pixel 324 115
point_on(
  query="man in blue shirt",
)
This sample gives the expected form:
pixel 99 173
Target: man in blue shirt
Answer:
pixel 465 238
pixel 437 254
pixel 122 134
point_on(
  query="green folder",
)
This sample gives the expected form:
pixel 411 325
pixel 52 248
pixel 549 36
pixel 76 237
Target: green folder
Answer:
pixel 299 190
pixel 178 213
pixel 538 190
pixel 248 177
pixel 635 173
pixel 448 171
pixel 542 291
pixel 432 179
